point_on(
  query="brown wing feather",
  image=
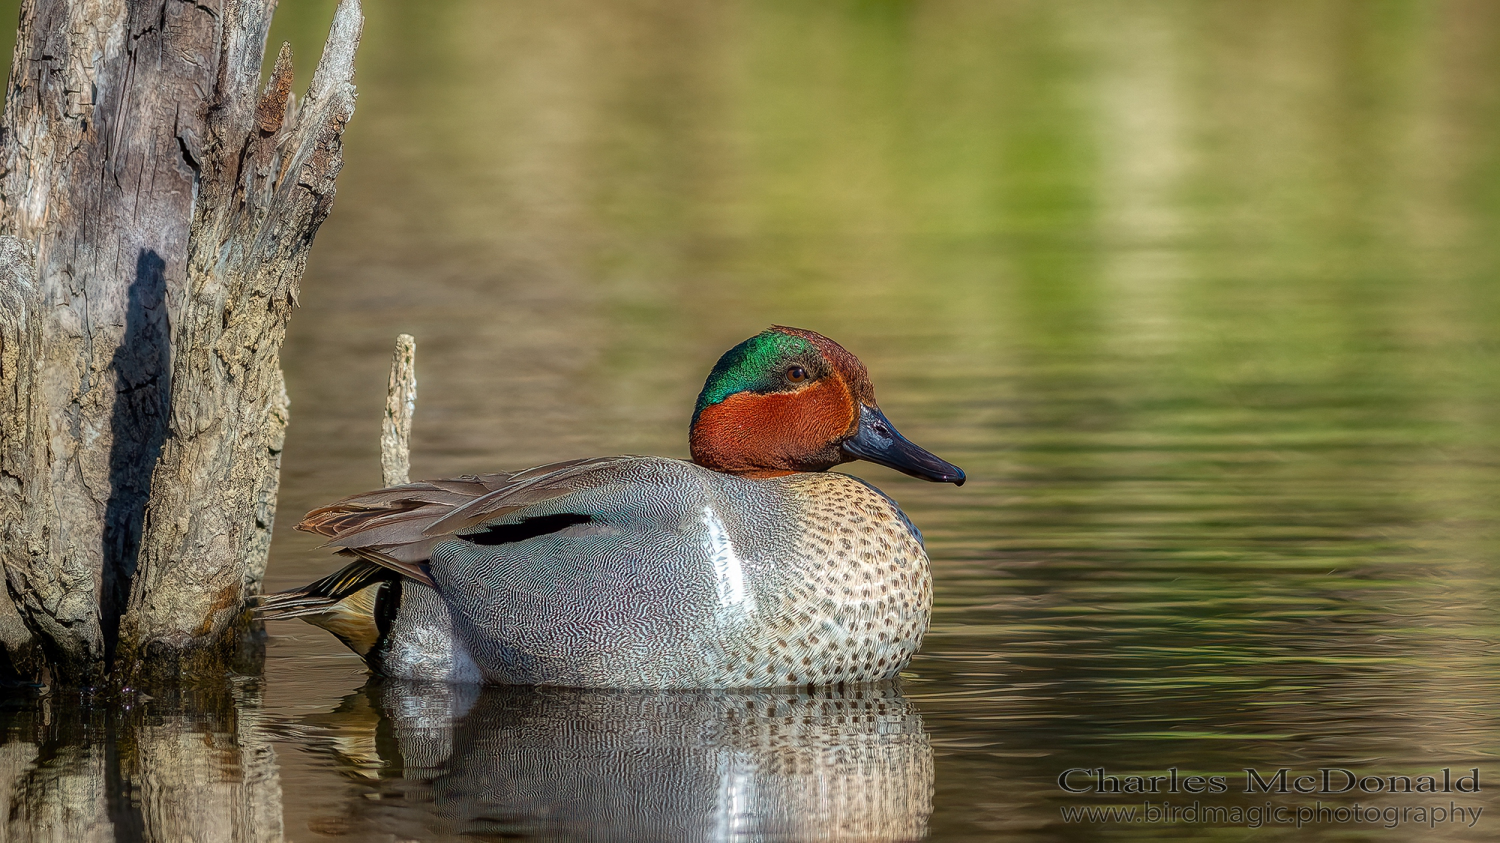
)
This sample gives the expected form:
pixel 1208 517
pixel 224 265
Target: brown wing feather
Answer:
pixel 411 570
pixel 396 527
pixel 526 488
pixel 411 502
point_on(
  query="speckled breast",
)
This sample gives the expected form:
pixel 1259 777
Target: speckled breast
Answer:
pixel 682 577
pixel 849 600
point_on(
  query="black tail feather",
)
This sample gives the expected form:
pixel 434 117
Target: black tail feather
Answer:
pixel 321 596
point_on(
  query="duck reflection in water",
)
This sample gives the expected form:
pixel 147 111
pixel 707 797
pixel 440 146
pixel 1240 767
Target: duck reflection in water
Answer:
pixel 824 764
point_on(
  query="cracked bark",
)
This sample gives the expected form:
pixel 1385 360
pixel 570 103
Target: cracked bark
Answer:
pixel 168 204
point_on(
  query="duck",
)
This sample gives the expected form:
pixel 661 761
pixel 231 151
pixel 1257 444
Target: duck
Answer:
pixel 751 565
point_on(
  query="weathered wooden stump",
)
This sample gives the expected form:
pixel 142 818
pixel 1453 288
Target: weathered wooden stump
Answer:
pixel 158 207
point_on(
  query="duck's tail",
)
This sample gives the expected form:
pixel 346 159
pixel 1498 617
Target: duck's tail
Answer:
pixel 355 603
pixel 390 534
pixel 383 531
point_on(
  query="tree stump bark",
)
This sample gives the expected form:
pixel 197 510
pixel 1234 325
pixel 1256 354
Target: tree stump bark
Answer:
pixel 23 458
pixel 171 204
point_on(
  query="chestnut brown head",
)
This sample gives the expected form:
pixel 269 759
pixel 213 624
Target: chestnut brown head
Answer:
pixel 790 400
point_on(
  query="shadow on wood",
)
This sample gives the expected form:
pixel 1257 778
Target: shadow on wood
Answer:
pixel 138 426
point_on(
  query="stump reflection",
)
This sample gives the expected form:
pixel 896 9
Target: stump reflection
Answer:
pixel 190 767
pixel 801 765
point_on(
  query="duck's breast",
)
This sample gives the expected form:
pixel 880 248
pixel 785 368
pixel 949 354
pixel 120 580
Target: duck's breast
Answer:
pixel 850 599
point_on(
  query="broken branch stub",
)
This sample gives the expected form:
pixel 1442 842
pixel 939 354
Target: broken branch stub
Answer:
pixel 400 405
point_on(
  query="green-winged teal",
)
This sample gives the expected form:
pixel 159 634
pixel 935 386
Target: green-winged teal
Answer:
pixel 748 567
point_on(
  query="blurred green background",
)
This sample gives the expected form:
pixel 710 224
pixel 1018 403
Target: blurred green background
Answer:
pixel 1201 294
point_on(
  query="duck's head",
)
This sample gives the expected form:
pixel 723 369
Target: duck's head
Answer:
pixel 789 400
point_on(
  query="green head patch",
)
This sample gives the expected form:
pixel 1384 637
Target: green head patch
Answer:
pixel 758 364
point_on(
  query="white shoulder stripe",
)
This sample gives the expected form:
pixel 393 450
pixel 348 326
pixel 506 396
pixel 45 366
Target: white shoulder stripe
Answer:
pixel 729 571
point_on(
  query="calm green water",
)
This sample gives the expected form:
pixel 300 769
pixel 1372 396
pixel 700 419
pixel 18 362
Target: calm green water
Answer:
pixel 1203 296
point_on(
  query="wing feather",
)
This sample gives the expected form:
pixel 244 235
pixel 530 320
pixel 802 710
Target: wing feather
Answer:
pixel 396 528
pixel 527 488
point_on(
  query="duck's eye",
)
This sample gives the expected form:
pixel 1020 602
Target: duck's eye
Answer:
pixel 796 374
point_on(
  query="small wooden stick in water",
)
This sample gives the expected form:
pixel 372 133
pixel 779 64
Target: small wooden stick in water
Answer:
pixel 400 404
